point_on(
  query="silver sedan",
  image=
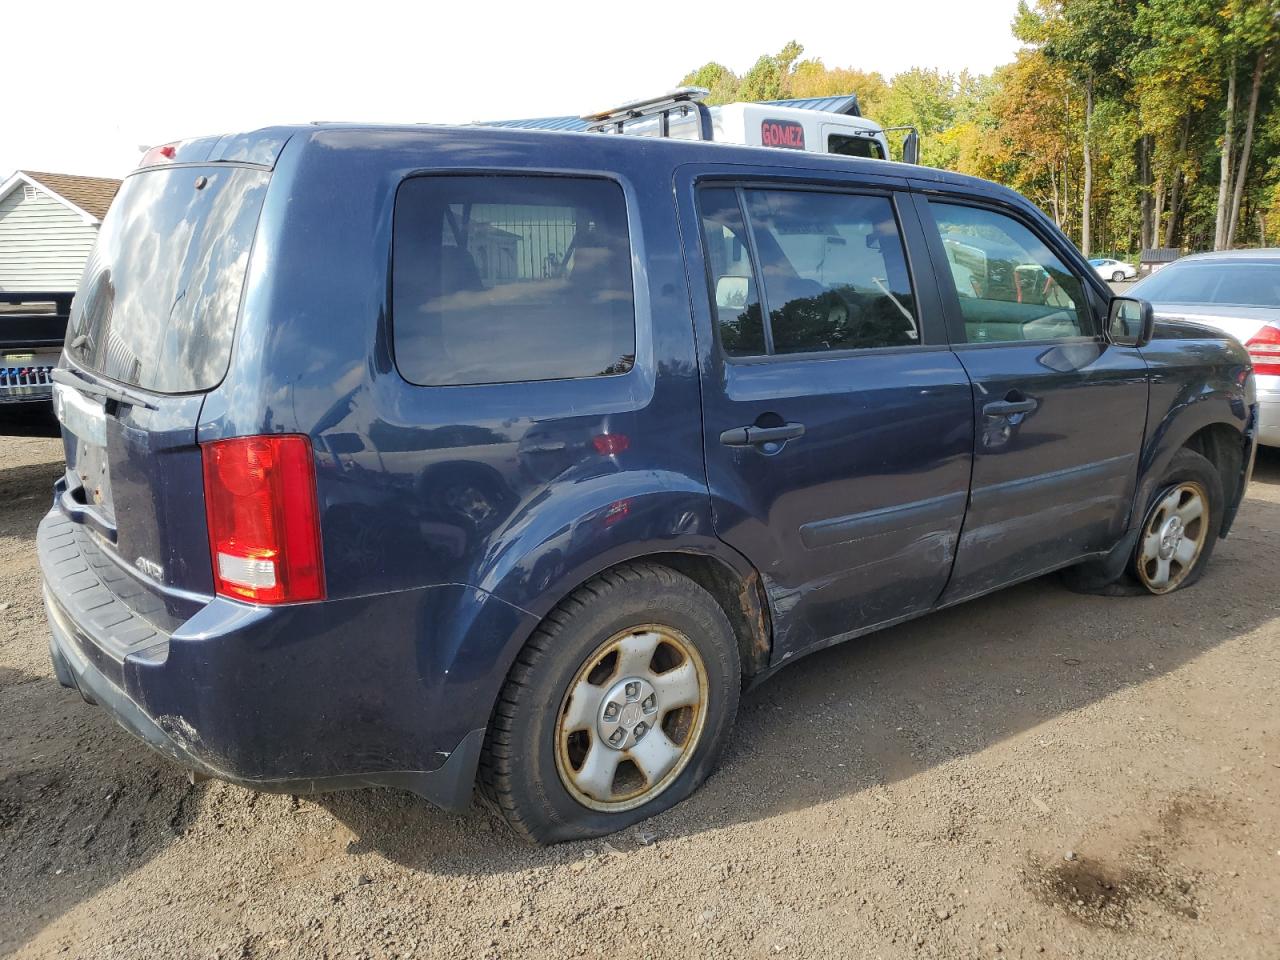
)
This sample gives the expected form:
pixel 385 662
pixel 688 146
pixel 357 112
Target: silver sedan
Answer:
pixel 1237 292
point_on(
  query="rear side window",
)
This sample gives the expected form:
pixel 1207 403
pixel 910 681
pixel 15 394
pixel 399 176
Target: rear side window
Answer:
pixel 158 300
pixel 1215 281
pixel 833 267
pixel 511 278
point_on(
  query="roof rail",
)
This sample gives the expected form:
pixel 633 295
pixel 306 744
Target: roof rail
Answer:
pixel 681 101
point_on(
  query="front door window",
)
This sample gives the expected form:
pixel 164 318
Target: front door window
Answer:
pixel 1010 285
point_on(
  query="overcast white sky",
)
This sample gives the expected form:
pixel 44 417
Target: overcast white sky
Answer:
pixel 88 83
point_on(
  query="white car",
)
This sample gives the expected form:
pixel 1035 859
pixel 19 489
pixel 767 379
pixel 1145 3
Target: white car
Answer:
pixel 1113 270
pixel 1237 292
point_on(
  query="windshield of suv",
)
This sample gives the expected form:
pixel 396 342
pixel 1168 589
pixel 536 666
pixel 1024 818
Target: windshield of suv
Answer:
pixel 1248 284
pixel 159 296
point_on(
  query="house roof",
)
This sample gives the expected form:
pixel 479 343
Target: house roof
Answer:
pixel 88 196
pixel 93 195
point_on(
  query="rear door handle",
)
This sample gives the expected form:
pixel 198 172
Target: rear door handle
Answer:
pixel 1006 408
pixel 750 436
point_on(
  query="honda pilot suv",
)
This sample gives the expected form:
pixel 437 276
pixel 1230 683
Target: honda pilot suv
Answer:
pixel 441 457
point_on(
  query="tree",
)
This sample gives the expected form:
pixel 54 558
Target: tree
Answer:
pixel 812 78
pixel 1132 122
pixel 1255 28
pixel 1092 40
pixel 770 78
pixel 717 78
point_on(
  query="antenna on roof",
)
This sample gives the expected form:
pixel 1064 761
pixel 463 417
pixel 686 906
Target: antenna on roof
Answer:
pixel 681 101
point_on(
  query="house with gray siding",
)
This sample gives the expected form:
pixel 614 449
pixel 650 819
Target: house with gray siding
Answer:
pixel 48 223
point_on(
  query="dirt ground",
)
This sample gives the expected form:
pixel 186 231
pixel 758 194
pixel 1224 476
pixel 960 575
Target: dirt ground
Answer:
pixel 1031 774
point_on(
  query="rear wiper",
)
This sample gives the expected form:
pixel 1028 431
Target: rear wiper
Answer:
pixel 105 391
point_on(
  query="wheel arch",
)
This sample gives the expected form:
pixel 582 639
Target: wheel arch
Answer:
pixel 1221 444
pixel 1203 430
pixel 732 581
pixel 1220 441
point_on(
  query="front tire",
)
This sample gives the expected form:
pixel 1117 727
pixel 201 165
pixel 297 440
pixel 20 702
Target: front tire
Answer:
pixel 616 709
pixel 1179 531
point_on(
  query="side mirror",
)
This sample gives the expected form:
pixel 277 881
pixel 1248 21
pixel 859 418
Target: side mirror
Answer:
pixel 1130 322
pixel 911 148
pixel 731 293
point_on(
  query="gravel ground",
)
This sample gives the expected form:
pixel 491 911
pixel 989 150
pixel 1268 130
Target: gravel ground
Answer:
pixel 1031 774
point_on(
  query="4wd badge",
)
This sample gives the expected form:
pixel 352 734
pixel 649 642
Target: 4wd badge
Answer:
pixel 150 568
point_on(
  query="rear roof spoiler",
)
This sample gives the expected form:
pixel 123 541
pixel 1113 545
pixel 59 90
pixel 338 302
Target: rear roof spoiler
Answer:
pixel 258 147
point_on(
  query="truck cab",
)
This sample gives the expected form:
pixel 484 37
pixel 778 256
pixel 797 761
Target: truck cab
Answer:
pixel 833 125
pixel 765 125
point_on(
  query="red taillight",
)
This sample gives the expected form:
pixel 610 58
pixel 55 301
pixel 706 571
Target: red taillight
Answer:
pixel 159 155
pixel 1264 351
pixel 264 529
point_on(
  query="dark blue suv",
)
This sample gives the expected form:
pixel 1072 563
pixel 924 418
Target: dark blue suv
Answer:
pixel 452 457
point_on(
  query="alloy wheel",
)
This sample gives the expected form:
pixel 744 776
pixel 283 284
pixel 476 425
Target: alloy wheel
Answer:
pixel 631 718
pixel 1173 537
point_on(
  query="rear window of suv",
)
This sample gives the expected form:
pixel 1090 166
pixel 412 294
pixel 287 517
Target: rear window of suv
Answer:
pixel 500 279
pixel 159 296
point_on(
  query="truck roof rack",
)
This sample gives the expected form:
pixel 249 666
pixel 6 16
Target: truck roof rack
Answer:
pixel 681 101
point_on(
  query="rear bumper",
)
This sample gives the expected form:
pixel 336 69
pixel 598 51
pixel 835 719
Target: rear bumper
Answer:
pixel 449 786
pixel 1269 411
pixel 300 699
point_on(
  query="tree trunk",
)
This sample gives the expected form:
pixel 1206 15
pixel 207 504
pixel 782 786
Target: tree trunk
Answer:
pixel 1175 189
pixel 1087 192
pixel 1150 212
pixel 1157 211
pixel 1175 200
pixel 1224 178
pixel 1053 181
pixel 1242 168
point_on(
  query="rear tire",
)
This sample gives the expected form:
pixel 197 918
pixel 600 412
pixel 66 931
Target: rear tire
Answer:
pixel 615 710
pixel 1154 566
pixel 1117 277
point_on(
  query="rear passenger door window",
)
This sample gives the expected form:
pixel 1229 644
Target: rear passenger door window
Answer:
pixel 1010 285
pixel 511 278
pixel 833 267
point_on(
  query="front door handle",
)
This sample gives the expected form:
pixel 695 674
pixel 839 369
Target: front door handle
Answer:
pixel 1007 408
pixel 753 435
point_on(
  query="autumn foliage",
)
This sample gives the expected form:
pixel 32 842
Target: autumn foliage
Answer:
pixel 1133 123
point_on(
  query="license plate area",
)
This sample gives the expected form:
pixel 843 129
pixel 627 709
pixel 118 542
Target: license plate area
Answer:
pixel 89 472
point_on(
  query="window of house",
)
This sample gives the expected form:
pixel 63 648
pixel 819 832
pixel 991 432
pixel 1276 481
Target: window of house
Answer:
pixel 511 278
pixel 1010 285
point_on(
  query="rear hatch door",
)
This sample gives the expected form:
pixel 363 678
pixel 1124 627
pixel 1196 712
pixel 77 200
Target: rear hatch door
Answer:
pixel 149 336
